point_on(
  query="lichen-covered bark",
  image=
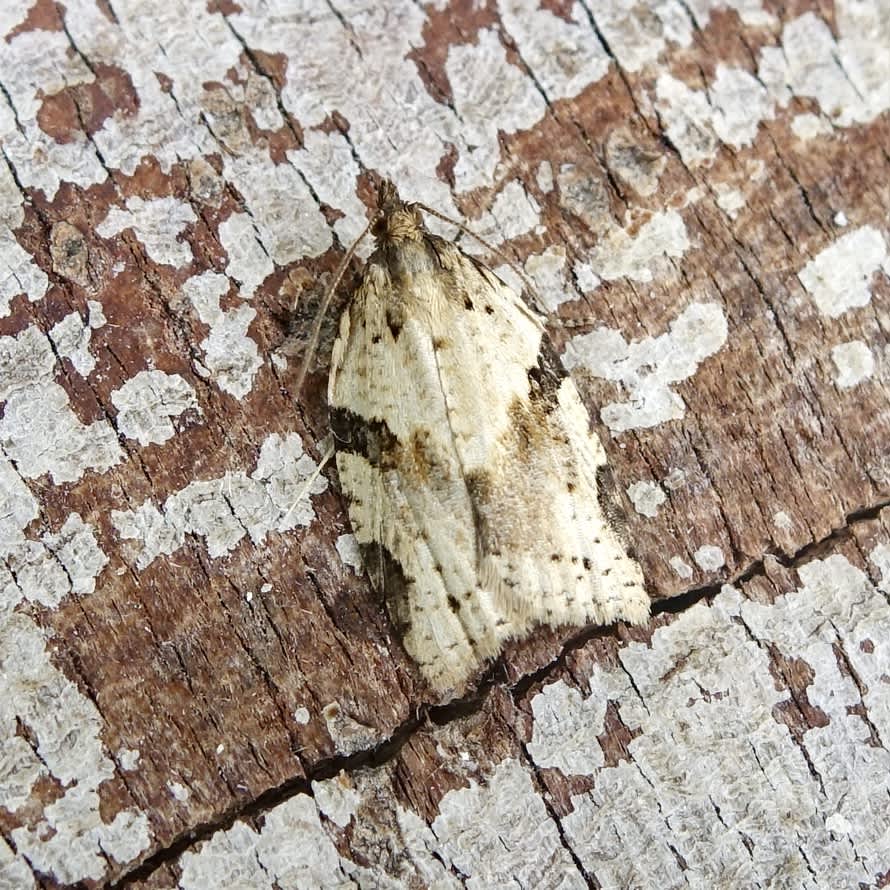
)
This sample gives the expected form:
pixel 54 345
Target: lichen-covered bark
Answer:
pixel 741 743
pixel 196 681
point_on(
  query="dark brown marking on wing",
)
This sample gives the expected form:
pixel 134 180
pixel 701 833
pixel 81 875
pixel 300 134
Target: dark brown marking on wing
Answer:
pixel 395 322
pixel 389 580
pixel 480 490
pixel 381 448
pixel 372 439
pixel 609 499
pixel 545 378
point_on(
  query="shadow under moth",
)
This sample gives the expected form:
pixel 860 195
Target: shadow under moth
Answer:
pixel 473 482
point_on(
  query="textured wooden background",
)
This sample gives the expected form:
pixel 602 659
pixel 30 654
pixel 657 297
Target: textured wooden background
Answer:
pixel 197 686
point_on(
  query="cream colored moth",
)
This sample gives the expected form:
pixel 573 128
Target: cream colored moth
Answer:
pixel 473 482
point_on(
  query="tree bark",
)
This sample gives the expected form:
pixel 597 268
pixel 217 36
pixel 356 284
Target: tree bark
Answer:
pixel 198 685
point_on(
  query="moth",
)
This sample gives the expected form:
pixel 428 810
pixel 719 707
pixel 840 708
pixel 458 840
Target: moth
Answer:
pixel 478 494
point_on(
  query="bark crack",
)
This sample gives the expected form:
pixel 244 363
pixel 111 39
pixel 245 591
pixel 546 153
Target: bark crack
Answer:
pixel 544 797
pixel 389 749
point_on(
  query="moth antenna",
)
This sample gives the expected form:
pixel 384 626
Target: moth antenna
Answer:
pixel 310 480
pixel 325 305
pixel 496 251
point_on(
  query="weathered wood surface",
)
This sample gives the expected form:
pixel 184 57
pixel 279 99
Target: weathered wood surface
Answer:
pixel 197 686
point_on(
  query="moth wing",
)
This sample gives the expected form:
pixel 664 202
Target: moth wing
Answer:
pixel 408 503
pixel 474 484
pixel 549 542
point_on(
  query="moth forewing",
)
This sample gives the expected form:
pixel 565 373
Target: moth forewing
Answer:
pixel 466 459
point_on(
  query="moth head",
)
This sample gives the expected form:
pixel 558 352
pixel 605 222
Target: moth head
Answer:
pixel 396 220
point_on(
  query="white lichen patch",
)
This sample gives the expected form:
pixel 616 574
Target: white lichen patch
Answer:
pixel 48 570
pixel 260 97
pixel 284 213
pixel 31 573
pixel 490 95
pixel 249 264
pixel 383 88
pixel 880 558
pixel 730 200
pixel 639 256
pixel 128 759
pixel 709 558
pixel 71 337
pixel 648 367
pixel 513 213
pixel 729 112
pixel 347 547
pixel 20 508
pixel 336 799
pixel 14 871
pixel 837 608
pixel 854 362
pixel 291 850
pixel 686 114
pixel 147 403
pixel 646 497
pixel 808 126
pixel 152 531
pixel 605 828
pixel 585 278
pixel 19 274
pixel 178 791
pixel 840 276
pixel 69 840
pixel 500 834
pixel 77 551
pixel 731 790
pixel 847 76
pixel 421 846
pixel 638 33
pixel 231 358
pixel 681 567
pixel 274 497
pixel 563 53
pixel 326 160
pixel 301 715
pixel 782 521
pixel 158 223
pixel 227 853
pixel 38 430
pixel 740 102
pixel 37 63
pixel 547 271
pixel 566 727
pixel 21 769
pixel 169 74
pixel 544 176
pixel 295 848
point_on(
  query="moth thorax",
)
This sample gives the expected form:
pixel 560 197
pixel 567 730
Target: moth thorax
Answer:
pixel 401 224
